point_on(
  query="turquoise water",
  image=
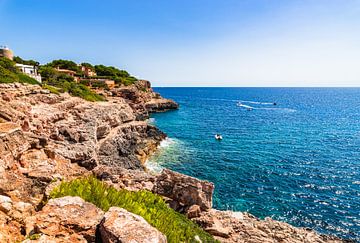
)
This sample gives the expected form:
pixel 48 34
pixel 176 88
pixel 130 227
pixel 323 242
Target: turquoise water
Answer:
pixel 297 161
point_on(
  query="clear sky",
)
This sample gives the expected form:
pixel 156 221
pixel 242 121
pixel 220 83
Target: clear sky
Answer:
pixel 195 42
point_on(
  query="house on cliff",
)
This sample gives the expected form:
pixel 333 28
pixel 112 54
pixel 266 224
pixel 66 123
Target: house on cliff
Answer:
pixel 71 73
pixel 29 70
pixel 88 72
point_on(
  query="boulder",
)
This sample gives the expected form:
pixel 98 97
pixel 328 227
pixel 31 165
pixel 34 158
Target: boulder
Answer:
pixel 5 203
pixel 119 225
pixel 184 189
pixel 193 211
pixel 65 217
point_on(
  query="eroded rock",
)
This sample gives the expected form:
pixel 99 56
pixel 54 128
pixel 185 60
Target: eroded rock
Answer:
pixel 119 225
pixel 185 190
pixel 66 217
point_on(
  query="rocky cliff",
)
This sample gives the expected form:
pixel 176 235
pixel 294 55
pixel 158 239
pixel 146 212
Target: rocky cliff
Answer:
pixel 46 138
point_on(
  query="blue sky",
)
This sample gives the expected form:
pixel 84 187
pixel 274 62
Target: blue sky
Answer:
pixel 195 42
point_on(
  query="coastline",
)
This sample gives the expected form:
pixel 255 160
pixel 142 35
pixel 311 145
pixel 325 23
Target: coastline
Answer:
pixel 56 138
pixel 237 226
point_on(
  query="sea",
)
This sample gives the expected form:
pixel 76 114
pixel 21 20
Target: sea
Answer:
pixel 292 154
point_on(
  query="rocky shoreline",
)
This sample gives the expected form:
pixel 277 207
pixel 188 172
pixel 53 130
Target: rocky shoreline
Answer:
pixel 47 138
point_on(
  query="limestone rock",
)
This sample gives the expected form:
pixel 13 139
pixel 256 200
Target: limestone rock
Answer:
pixel 120 178
pixel 5 203
pixel 119 225
pixel 230 227
pixel 185 190
pixel 193 211
pixel 65 217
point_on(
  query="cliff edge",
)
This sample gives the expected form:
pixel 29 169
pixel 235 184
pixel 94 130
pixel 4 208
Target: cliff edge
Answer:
pixel 47 138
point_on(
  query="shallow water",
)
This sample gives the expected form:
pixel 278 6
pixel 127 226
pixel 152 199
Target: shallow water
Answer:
pixel 297 161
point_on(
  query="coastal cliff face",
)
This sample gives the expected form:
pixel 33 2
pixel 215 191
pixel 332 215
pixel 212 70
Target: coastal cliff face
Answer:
pixel 46 138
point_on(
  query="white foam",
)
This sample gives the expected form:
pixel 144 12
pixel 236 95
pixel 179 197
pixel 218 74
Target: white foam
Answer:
pixel 246 106
pixel 256 102
pixel 151 164
pixel 151 120
pixel 166 142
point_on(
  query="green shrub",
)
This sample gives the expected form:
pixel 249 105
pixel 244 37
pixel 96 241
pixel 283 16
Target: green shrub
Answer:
pixel 151 207
pixel 52 89
pixel 66 83
pixel 10 74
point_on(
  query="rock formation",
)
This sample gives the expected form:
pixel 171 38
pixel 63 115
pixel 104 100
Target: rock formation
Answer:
pixel 46 138
pixel 68 219
pixel 119 225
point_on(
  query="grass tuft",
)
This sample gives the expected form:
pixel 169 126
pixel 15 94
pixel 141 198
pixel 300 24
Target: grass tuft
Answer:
pixel 151 207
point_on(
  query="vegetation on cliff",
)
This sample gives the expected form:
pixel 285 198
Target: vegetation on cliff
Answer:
pixel 66 83
pixel 10 74
pixel 151 207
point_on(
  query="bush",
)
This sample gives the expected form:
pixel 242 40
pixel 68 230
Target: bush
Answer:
pixel 151 207
pixel 18 59
pixel 52 89
pixel 64 64
pixel 66 83
pixel 10 74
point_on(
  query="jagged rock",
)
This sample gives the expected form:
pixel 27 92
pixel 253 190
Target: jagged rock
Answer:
pixel 12 143
pixel 126 145
pixel 65 217
pixel 119 225
pixel 56 239
pixel 161 105
pixel 193 211
pixel 229 227
pixel 5 203
pixel 185 190
pixel 9 229
pixel 102 131
pixel 132 180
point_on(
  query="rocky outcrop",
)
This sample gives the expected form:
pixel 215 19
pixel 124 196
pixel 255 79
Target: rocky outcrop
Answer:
pixel 119 225
pixel 46 138
pixel 228 226
pixel 184 191
pixel 86 133
pixel 143 99
pixel 66 218
pixel 120 178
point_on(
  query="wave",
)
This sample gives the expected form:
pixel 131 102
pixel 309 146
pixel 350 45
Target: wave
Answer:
pixel 151 120
pixel 246 106
pixel 151 164
pixel 266 108
pixel 256 102
pixel 167 142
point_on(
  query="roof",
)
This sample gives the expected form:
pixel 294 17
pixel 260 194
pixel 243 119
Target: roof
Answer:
pixel 65 70
pixel 23 65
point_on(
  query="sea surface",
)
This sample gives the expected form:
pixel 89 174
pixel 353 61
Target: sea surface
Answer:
pixel 297 161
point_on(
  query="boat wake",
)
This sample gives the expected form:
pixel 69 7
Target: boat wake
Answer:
pixel 248 107
pixel 256 102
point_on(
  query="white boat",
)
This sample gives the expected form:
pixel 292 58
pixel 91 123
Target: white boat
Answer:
pixel 218 137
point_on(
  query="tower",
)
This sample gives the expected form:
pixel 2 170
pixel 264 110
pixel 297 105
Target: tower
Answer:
pixel 6 52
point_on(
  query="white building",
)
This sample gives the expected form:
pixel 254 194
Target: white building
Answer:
pixel 30 71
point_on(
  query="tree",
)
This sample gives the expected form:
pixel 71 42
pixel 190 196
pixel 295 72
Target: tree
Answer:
pixel 18 59
pixel 64 64
pixel 88 65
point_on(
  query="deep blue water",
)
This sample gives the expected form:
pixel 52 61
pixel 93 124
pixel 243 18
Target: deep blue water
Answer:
pixel 297 161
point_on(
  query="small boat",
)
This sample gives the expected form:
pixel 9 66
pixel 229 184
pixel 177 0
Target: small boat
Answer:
pixel 249 108
pixel 218 137
pixel 274 103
